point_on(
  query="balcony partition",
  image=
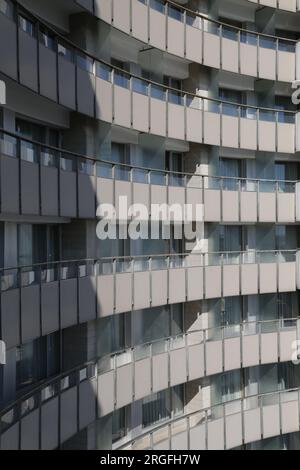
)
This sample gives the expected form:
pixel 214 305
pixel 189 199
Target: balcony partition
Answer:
pixel 59 408
pixel 38 300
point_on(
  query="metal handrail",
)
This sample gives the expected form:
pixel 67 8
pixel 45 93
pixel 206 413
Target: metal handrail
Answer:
pixel 131 75
pixel 95 261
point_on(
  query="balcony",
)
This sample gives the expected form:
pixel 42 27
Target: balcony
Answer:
pixel 226 426
pixel 98 388
pixel 38 300
pixel 96 89
pixel 171 27
pixel 288 5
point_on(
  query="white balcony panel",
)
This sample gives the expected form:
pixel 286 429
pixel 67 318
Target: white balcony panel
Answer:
pixel 286 207
pixel 159 288
pixel 141 295
pixel 214 357
pixel 196 361
pixel 211 50
pixel 230 206
pixel 290 416
pixel 269 348
pixel 252 426
pixel 176 198
pixel 122 106
pixel 286 137
pixel 30 313
pixel 9 184
pixel 121 15
pixel 248 206
pixel 212 205
pixel 177 286
pixel 267 136
pixel 176 121
pixel 215 431
pixel 287 277
pixel 234 430
pixel 85 92
pixel 158 117
pixel 194 44
pixel 271 421
pixel 267 207
pixel 10 439
pixel 157 29
pixel 287 345
pixel 249 279
pixel 197 437
pixel 123 292
pixel 158 196
pixel 160 368
pixel 87 402
pixel 124 385
pixel 8 46
pixel 175 37
pixel 230 131
pixel 105 191
pixel 105 295
pixel 140 20
pixel 122 194
pixel 105 393
pixel 194 198
pixel 178 368
pixel 180 441
pixel 289 5
pixel 103 10
pixel 194 283
pixel 212 128
pixel 248 134
pixel 230 55
pixel 68 407
pixel 194 125
pixel 30 431
pixel 248 59
pixel 232 353
pixel 267 63
pixel 286 66
pixel 140 112
pixel 142 380
pixel 104 100
pixel 250 354
pixel 212 282
pixel 141 194
pixel 267 278
pixel 231 280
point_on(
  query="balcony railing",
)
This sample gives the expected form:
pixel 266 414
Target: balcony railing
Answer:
pixel 59 386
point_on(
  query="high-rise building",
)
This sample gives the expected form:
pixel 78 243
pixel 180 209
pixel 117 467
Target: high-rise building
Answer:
pixel 134 333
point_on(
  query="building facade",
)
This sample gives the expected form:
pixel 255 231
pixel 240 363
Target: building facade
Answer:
pixel 171 341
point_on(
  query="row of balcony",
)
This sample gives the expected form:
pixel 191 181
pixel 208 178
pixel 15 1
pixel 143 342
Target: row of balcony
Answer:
pixel 171 27
pixel 96 89
pixel 226 426
pixel 288 5
pixel 98 388
pixel 38 300
pixel 41 180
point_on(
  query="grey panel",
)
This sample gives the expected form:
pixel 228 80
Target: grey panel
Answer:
pixel 87 299
pixel 30 312
pixel 10 438
pixel 197 437
pixel 9 185
pixel 10 317
pixel 86 196
pixel 48 73
pixel 68 414
pixel 30 188
pixel 177 286
pixel 215 431
pixel 68 200
pixel 8 46
pixel 30 431
pixel 124 385
pixel 87 402
pixel 234 430
pixel 50 307
pixel 85 92
pixel 66 83
pixel 68 302
pixel 160 372
pixel 106 396
pixel 49 425
pixel 178 369
pixel 105 295
pixel 28 60
pixel 49 191
pixel 142 380
pixel 180 441
pixel 88 4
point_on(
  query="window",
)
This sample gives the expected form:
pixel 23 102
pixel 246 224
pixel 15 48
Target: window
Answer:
pixel 26 25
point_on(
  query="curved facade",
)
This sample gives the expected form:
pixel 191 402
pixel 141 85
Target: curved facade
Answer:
pixel 149 211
